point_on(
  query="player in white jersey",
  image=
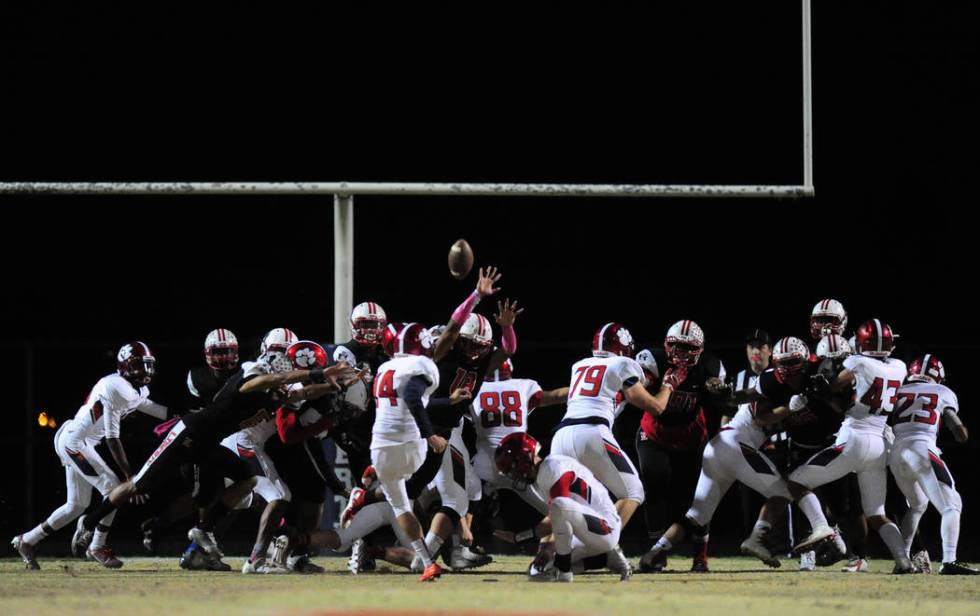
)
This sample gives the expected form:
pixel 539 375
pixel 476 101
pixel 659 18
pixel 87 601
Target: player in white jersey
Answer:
pixel 599 384
pixel 114 397
pixel 398 444
pixel 861 446
pixel 916 462
pixel 503 406
pixel 584 520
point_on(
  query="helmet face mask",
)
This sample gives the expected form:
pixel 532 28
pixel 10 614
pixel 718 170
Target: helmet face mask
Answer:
pixel 789 358
pixel 473 350
pixel 221 351
pixel 684 343
pixel 682 353
pixel 368 321
pixel 136 364
pixel 827 317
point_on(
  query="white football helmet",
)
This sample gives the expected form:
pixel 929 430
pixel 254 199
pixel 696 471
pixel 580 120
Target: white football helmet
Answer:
pixel 789 356
pixel 833 346
pixel 221 350
pixel 684 343
pixel 476 336
pixel 277 339
pixel 827 317
pixel 367 323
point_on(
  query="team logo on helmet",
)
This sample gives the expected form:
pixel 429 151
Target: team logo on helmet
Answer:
pixel 306 354
pixel 135 362
pixel 927 368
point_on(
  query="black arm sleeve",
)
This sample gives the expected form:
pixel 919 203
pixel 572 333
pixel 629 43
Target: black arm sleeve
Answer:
pixel 413 398
pixel 438 403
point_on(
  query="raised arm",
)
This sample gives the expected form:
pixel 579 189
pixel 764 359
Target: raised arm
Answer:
pixel 484 288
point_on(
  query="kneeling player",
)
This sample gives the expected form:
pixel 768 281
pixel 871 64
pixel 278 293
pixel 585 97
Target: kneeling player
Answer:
pixel 584 520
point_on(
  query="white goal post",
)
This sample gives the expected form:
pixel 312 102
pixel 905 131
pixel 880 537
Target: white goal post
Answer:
pixel 343 192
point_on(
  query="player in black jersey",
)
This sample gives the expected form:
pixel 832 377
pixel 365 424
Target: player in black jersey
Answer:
pixel 669 445
pixel 221 361
pixel 246 399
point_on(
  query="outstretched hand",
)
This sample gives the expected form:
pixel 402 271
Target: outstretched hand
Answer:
pixel 488 278
pixel 507 312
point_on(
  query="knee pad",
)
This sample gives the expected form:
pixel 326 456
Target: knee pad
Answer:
pixel 452 513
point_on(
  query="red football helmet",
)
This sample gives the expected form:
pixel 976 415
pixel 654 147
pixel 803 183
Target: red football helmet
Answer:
pixel 504 372
pixel 389 336
pixel 612 339
pixel 515 457
pixel 367 323
pixel 413 339
pixel 306 355
pixel 875 339
pixel 135 363
pixel 927 368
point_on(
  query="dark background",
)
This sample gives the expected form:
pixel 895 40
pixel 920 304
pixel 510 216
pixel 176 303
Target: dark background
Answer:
pixel 692 93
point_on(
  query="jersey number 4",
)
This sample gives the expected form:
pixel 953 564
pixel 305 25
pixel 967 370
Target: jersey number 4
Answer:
pixel 873 397
pixel 384 388
pixel 592 376
pixel 493 416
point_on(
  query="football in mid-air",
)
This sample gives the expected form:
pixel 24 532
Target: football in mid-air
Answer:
pixel 460 259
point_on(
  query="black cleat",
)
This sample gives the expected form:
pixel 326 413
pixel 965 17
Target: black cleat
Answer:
pixel 957 568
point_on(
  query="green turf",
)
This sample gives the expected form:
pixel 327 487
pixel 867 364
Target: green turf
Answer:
pixel 735 586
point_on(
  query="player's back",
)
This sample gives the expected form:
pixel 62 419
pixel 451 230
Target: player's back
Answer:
pixel 565 476
pixel 876 383
pixel 111 394
pixel 596 383
pixel 393 422
pixel 502 407
pixel 919 408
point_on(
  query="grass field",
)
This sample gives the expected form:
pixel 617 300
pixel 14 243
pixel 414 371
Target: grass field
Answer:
pixel 735 586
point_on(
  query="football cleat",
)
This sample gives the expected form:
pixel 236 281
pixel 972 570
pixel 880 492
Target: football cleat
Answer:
pixel 653 562
pixel 547 574
pixel 921 560
pixel 699 565
pixel 301 563
pixel 904 567
pixel 818 535
pixel 431 573
pixel 617 562
pixel 957 568
pixel 81 539
pixel 463 557
pixel 357 553
pixel 856 565
pixel 27 552
pixel 754 546
pixel 808 561
pixel 148 528
pixel 263 566
pixel 565 576
pixel 105 557
pixel 205 540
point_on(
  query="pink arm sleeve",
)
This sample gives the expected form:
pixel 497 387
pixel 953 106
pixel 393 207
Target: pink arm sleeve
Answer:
pixel 508 340
pixel 463 311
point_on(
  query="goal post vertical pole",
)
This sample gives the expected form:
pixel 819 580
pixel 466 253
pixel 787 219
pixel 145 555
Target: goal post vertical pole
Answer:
pixel 807 99
pixel 343 264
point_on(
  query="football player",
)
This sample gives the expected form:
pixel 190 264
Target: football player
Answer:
pixel 669 444
pixel 584 520
pixel 112 398
pixel 917 463
pixel 860 446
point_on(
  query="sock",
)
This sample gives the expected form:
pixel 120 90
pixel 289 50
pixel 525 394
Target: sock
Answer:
pixel 213 515
pixel 457 541
pixel 92 519
pixel 761 526
pixel 662 544
pixel 950 532
pixel 37 533
pixel 563 562
pixel 419 546
pixel 700 547
pixel 433 543
pixel 909 523
pixel 893 539
pixel 99 537
pixel 810 506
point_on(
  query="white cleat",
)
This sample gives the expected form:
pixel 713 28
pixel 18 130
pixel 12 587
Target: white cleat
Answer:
pixel 617 562
pixel 206 541
pixel 819 534
pixel 26 551
pixel 464 558
pixel 808 561
pixel 81 539
pixel 856 565
pixel 548 574
pixel 356 555
pixel 263 566
pixel 921 560
pixel 754 546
